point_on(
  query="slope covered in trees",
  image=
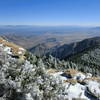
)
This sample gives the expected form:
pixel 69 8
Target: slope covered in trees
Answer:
pixel 89 60
pixel 66 50
pixel 46 78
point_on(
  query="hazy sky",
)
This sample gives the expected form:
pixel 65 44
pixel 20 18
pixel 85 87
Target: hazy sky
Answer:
pixel 50 12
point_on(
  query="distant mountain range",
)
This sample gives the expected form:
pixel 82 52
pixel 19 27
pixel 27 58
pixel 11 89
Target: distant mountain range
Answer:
pixel 31 30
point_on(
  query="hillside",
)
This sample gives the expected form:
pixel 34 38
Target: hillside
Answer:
pixel 69 49
pixel 45 78
pixel 64 50
pixel 89 60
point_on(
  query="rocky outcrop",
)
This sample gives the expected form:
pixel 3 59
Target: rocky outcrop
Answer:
pixel 11 48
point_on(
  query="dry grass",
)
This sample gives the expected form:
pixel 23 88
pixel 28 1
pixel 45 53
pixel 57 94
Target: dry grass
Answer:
pixel 78 99
pixel 52 70
pixel 93 79
pixel 72 81
pixel 71 71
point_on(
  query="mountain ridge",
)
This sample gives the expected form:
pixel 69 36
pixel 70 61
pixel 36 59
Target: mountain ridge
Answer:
pixel 45 78
pixel 69 49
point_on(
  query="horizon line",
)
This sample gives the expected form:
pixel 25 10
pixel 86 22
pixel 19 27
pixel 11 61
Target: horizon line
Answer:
pixel 50 25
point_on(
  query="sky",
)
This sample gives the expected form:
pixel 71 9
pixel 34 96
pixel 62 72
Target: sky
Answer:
pixel 50 12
